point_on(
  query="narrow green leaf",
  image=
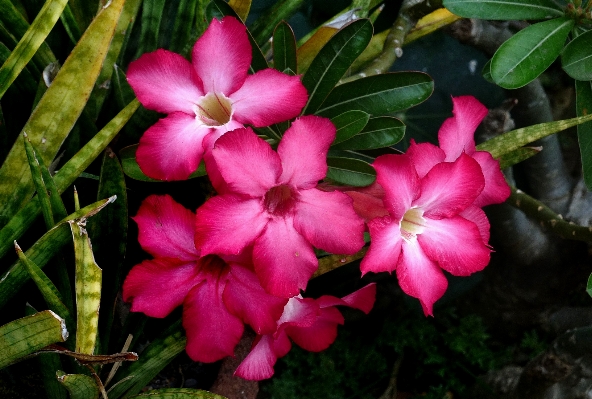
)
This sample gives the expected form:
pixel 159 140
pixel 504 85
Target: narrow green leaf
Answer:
pixel 281 10
pixel 182 38
pixel 504 9
pixel 589 286
pixel 517 156
pixel 583 108
pixel 150 26
pixel 88 277
pixel 527 54
pixel 24 336
pixel 58 110
pixel 576 58
pixel 70 24
pixel 42 194
pixel 79 386
pixel 284 48
pixel 331 63
pixel 84 11
pixel 349 124
pixel 380 132
pixel 241 7
pixel 178 393
pixel 378 95
pixel 350 171
pixel 24 81
pixel 132 169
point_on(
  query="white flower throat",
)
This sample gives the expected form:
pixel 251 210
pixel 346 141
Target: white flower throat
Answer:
pixel 213 109
pixel 412 224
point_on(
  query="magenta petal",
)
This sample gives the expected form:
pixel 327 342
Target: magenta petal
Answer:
pixel 367 206
pixel 478 216
pixel 456 134
pixel 247 163
pixel 424 156
pixel 171 149
pixel 268 97
pixel 496 188
pixel 456 244
pixel 420 277
pixel 321 334
pixel 226 224
pixel 165 82
pixel 222 56
pixel 303 151
pixel 284 261
pixel 450 187
pixel 166 228
pixel 397 176
pixel 212 331
pixel 328 221
pixel 301 312
pixel 385 247
pixel 156 287
pixel 245 298
pixel 362 299
pixel 258 365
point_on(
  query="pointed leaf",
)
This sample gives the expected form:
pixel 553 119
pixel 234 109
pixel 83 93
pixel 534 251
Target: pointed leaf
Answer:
pixel 486 72
pixel 349 124
pixel 576 58
pixel 42 194
pixel 284 48
pixel 349 171
pixel 241 7
pixel 527 54
pixel 584 107
pixel 178 393
pixel 379 132
pixel 504 9
pixel 309 50
pixel 378 95
pixel 516 156
pixel 79 386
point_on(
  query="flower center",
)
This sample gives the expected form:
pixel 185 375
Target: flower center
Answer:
pixel 212 264
pixel 214 109
pixel 279 200
pixel 412 224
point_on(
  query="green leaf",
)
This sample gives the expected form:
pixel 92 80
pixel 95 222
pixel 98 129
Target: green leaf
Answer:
pixel 84 11
pixel 517 156
pixel 486 72
pixel 589 286
pixel 150 26
pixel 284 48
pixel 349 124
pixel 182 38
pixel 576 57
pixel 329 66
pixel 24 336
pixel 79 386
pixel 70 24
pixel 504 9
pixel 57 110
pixel 178 393
pixel 378 95
pixel 527 54
pixel 350 171
pixel 380 132
pixel 262 28
pixel 241 7
pixel 584 107
pixel 132 169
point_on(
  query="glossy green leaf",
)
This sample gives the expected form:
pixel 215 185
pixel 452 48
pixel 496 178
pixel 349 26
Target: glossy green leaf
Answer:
pixel 178 393
pixel 589 286
pixel 132 169
pixel 486 72
pixel 576 58
pixel 281 10
pixel 30 42
pixel 349 124
pixel 504 9
pixel 517 156
pixel 79 386
pixel 331 63
pixel 66 176
pixel 44 249
pixel 378 95
pixel 284 48
pixel 584 107
pixel 241 7
pixel 350 171
pixel 527 54
pixel 57 110
pixel 380 132
pixel 24 336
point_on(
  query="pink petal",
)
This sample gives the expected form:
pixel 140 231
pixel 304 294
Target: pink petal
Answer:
pixel 171 149
pixel 496 188
pixel 258 365
pixel 328 221
pixel 456 134
pixel 450 187
pixel 456 244
pixel 212 331
pixel 247 163
pixel 424 157
pixel 397 176
pixel 367 206
pixel 321 334
pixel 222 56
pixel 245 298
pixel 362 299
pixel 303 151
pixel 226 224
pixel 284 260
pixel 156 287
pixel 166 228
pixel 478 216
pixel 268 97
pixel 420 277
pixel 385 246
pixel 165 82
pixel 300 312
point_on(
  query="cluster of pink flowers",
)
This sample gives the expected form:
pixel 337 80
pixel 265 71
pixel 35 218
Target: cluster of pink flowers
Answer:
pixel 247 253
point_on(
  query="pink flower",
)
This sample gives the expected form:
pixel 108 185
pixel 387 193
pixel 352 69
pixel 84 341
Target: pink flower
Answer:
pixel 310 323
pixel 218 293
pixel 213 95
pixel 432 224
pixel 270 200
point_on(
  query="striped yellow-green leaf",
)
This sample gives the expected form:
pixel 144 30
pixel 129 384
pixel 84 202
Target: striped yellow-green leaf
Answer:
pixel 241 7
pixel 88 278
pixel 58 109
pixel 79 386
pixel 178 393
pixel 24 336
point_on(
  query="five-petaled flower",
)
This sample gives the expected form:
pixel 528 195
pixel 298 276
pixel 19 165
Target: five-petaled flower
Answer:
pixel 211 96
